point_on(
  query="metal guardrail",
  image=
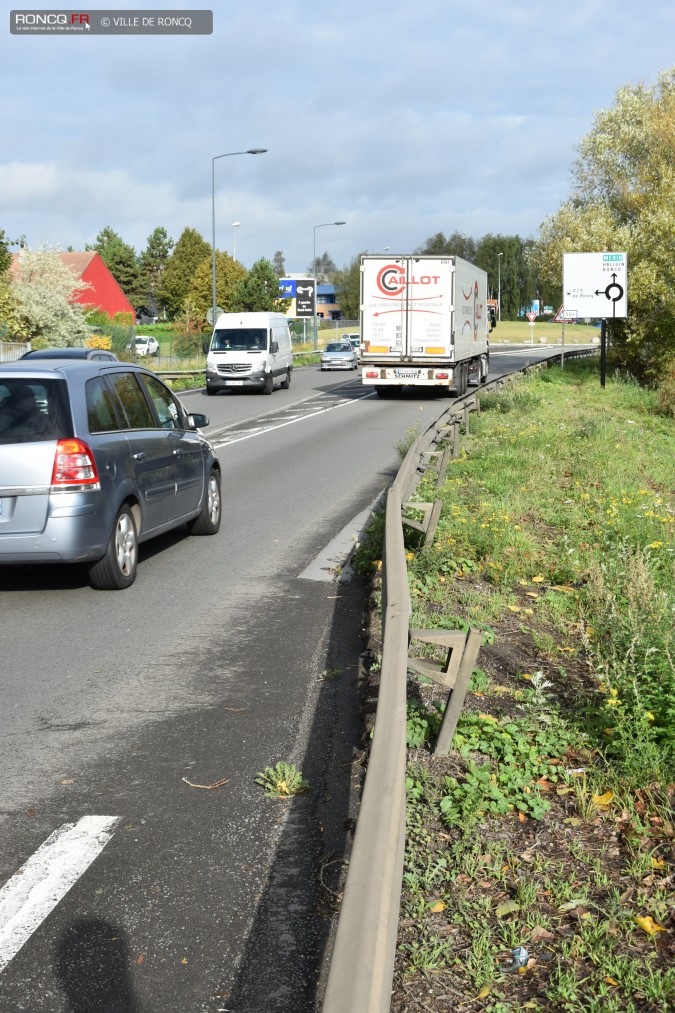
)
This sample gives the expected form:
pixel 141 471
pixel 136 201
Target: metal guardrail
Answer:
pixel 362 964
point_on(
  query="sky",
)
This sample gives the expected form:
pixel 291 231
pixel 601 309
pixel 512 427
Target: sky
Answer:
pixel 400 119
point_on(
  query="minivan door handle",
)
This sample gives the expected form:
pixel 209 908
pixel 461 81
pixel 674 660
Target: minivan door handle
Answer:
pixel 140 456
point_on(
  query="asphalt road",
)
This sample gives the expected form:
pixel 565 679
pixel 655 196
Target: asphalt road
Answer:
pixel 219 661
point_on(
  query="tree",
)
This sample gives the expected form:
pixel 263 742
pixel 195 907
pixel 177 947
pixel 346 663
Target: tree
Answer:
pixel 121 261
pixel 153 263
pixel 456 245
pixel 229 273
pixel 511 273
pixel 623 199
pixel 348 288
pixel 279 264
pixel 258 291
pixel 44 291
pixel 322 269
pixel 189 253
pixel 5 255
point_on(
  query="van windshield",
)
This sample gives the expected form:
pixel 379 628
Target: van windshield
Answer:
pixel 245 339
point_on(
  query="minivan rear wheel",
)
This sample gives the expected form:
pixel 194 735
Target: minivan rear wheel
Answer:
pixel 286 382
pixel 117 569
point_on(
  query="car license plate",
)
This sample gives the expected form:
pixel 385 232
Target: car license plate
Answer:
pixel 234 383
pixel 407 374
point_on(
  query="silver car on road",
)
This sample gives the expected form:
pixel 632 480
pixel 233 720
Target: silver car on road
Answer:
pixel 95 458
pixel 339 355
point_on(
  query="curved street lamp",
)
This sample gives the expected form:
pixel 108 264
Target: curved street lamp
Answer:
pixel 235 226
pixel 499 286
pixel 227 154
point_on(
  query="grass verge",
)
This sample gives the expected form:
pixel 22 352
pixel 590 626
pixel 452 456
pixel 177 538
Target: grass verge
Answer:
pixel 540 852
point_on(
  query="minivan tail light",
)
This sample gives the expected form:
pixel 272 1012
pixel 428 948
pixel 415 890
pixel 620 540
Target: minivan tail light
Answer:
pixel 74 465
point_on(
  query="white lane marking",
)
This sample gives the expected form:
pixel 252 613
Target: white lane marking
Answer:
pixel 329 565
pixel 289 422
pixel 38 886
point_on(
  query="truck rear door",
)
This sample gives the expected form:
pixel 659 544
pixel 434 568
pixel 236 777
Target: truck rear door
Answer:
pixel 407 308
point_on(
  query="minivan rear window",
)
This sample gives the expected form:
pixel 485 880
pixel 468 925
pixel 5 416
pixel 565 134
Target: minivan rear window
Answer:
pixel 33 410
pixel 245 339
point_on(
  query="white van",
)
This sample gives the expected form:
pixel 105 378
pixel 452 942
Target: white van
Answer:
pixel 250 350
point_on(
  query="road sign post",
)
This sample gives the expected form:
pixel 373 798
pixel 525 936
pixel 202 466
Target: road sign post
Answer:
pixel 596 285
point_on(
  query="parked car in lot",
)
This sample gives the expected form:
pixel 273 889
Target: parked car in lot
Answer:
pixel 95 458
pixel 144 344
pixel 99 354
pixel 339 355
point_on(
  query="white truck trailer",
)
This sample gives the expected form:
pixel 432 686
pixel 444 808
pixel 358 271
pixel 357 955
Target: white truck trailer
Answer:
pixel 424 322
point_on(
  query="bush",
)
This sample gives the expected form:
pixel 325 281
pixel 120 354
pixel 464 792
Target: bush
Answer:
pixel 666 391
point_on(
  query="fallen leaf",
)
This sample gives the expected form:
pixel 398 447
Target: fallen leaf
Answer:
pixel 531 594
pixel 140 959
pixel 488 717
pixel 184 960
pixel 604 799
pixel 485 991
pixel 648 925
pixel 611 981
pixel 538 580
pixel 540 934
pixel 513 608
pixel 657 863
pixel 521 817
pixel 507 908
pixel 438 906
pixel 572 821
pixel 67 780
pixel 572 904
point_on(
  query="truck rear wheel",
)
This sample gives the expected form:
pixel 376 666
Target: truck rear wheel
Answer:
pixel 462 379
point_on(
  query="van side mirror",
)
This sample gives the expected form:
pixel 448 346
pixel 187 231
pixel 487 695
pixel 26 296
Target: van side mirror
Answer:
pixel 274 347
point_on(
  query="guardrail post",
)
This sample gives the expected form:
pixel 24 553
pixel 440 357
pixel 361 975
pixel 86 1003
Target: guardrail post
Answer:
pixel 455 438
pixel 427 526
pixel 454 674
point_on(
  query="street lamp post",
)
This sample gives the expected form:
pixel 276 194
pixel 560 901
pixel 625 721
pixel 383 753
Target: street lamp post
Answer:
pixel 227 154
pixel 499 286
pixel 322 226
pixel 235 226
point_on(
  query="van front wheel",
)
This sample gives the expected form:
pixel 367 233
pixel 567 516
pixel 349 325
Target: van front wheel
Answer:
pixel 287 380
pixel 269 384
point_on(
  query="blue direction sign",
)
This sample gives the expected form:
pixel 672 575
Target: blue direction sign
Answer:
pixel 303 292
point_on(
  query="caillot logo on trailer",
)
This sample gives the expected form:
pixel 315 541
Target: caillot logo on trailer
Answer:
pixel 391 280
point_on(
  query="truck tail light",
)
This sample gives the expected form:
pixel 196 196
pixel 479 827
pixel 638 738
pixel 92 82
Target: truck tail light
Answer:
pixel 442 376
pixel 372 374
pixel 74 465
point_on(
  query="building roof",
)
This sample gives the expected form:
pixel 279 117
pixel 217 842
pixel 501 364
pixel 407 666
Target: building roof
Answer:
pixel 77 262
